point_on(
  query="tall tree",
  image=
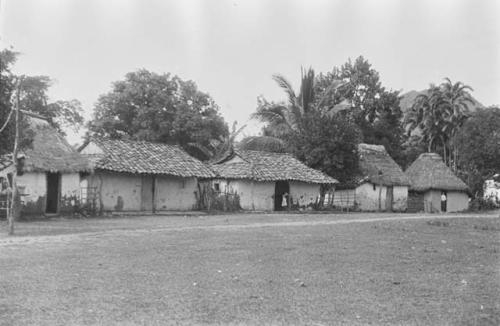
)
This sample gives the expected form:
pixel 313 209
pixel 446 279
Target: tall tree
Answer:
pixel 158 107
pixel 307 124
pixel 437 115
pixel 373 108
pixel 478 142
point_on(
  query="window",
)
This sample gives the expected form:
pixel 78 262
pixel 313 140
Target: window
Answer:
pixel 217 187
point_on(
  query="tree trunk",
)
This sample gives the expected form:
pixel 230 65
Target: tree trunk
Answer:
pixel 15 197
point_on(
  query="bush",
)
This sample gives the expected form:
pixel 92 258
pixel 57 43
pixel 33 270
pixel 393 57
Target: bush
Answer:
pixel 482 204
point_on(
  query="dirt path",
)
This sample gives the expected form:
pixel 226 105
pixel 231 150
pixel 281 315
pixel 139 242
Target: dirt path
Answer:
pixel 89 236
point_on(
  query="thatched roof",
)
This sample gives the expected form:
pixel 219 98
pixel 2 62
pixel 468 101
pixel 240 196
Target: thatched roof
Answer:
pixel 144 157
pixel 267 166
pixel 50 152
pixel 429 172
pixel 377 167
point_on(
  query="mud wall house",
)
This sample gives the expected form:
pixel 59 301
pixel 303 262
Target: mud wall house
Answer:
pixel 379 185
pixel 142 176
pixel 49 179
pixel 430 178
pixel 263 179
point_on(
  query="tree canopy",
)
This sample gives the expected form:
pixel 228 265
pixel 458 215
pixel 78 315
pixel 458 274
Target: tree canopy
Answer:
pixel 478 142
pixel 308 125
pixel 161 108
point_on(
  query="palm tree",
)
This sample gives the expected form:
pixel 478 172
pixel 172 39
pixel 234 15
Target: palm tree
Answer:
pixel 438 114
pixel 288 117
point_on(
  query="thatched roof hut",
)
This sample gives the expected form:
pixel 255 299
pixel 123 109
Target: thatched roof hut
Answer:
pixel 50 152
pixel 429 172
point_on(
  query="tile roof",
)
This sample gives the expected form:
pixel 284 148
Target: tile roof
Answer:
pixel 378 167
pixel 429 172
pixel 50 152
pixel 267 166
pixel 146 157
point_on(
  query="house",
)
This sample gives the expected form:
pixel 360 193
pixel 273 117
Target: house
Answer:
pixel 49 178
pixel 434 187
pixel 380 184
pixel 269 181
pixel 142 176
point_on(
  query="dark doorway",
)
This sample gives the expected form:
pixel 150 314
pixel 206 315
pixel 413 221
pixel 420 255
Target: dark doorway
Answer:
pixel 281 188
pixel 53 186
pixel 389 198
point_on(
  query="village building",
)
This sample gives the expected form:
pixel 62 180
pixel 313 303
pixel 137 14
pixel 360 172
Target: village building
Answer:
pixel 434 188
pixel 379 184
pixel 268 181
pixel 142 176
pixel 491 189
pixel 50 172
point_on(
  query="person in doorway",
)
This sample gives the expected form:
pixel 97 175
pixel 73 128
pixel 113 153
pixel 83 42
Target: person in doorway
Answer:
pixel 284 201
pixel 443 201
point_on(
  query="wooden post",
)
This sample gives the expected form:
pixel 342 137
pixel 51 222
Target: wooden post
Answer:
pixel 14 197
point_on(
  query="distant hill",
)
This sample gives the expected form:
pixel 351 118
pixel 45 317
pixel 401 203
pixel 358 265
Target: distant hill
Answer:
pixel 408 98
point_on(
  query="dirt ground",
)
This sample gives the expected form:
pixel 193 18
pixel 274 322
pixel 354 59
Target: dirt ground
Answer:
pixel 253 269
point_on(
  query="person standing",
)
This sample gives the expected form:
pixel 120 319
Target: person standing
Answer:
pixel 443 201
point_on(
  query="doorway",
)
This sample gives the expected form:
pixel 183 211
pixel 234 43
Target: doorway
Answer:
pixel 281 188
pixel 148 193
pixel 389 198
pixel 53 187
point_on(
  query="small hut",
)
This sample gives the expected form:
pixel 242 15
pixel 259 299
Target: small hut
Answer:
pixel 434 187
pixel 269 181
pixel 142 176
pixel 51 171
pixel 380 184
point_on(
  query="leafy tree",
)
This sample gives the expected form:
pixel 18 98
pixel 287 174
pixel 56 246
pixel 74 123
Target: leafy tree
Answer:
pixel 478 142
pixel 373 108
pixel 158 107
pixel 60 114
pixel 309 126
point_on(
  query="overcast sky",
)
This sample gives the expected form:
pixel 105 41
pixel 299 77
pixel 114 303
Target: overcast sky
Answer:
pixel 231 48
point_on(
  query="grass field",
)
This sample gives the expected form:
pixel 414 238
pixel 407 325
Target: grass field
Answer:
pixel 356 269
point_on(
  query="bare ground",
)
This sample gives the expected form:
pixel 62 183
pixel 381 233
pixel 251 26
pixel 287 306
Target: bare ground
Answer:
pixel 281 269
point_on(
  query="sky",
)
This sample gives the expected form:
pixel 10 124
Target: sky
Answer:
pixel 231 48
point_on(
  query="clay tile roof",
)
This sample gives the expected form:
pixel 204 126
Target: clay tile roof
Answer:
pixel 50 152
pixel 267 166
pixel 378 167
pixel 429 172
pixel 147 157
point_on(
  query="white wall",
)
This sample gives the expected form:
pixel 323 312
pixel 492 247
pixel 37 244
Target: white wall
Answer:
pixel 33 185
pixel 117 188
pixel 432 201
pixel 254 195
pixel 457 201
pixel 123 191
pixel 304 193
pixel 175 193
pixel 367 197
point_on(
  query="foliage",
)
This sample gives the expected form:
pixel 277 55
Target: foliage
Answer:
pixel 8 82
pixel 158 107
pixel 209 199
pixel 310 128
pixel 373 108
pixel 218 148
pixel 478 143
pixel 438 115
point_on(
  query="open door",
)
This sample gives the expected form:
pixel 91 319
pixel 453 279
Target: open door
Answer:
pixel 389 198
pixel 53 191
pixel 281 188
